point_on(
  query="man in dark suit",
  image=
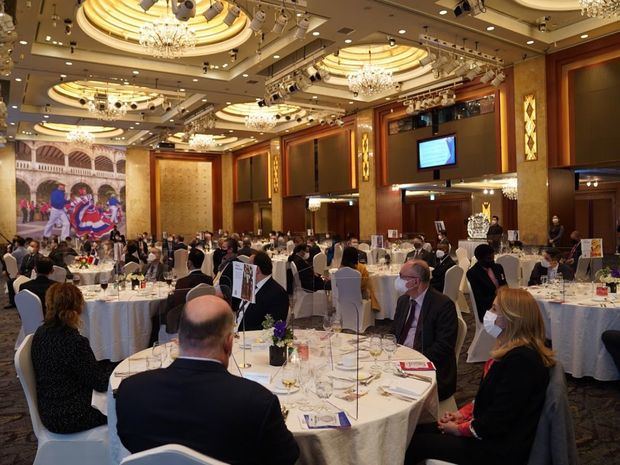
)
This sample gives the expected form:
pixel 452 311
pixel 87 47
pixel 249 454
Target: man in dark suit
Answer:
pixel 362 257
pixel 550 266
pixel 230 247
pixel 310 281
pixel 218 414
pixel 176 300
pixel 271 298
pixel 313 248
pixel 30 261
pixel 485 277
pixel 426 320
pixel 442 264
pixel 181 244
pixel 418 253
pixel 572 259
pixel 40 285
pixel 247 249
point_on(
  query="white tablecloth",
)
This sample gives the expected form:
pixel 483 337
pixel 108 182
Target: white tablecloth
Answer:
pixel 526 265
pixel 119 326
pixel 382 281
pixel 378 437
pixel 279 269
pixel 575 328
pixel 470 245
pixel 89 276
pixel 397 256
pixel 207 264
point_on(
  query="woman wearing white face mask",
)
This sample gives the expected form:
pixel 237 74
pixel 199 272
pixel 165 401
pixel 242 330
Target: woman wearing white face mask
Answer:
pixel 500 425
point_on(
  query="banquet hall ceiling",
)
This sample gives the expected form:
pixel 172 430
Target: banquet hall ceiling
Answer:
pixel 45 57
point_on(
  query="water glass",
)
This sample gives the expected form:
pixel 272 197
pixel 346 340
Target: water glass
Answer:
pixel 152 363
pixel 388 343
pixel 323 386
pixel 327 322
pixel 375 349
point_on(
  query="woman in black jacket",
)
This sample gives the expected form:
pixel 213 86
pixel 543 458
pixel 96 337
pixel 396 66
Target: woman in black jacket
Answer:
pixel 500 425
pixel 65 368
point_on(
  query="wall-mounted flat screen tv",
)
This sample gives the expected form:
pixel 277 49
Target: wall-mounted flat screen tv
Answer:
pixel 437 152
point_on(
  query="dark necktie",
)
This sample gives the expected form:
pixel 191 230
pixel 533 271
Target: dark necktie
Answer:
pixel 408 323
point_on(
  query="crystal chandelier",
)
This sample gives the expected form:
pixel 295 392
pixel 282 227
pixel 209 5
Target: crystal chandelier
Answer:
pixel 80 136
pixel 107 106
pixel 260 120
pixel 600 8
pixel 314 205
pixel 370 80
pixel 510 190
pixel 166 37
pixel 201 142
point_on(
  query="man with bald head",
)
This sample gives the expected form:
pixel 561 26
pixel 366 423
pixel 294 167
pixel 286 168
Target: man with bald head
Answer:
pixel 426 320
pixel 197 403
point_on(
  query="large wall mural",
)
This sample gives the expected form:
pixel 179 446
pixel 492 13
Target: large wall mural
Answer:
pixel 65 189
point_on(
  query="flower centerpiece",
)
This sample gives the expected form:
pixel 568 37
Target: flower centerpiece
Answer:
pixel 610 277
pixel 136 279
pixel 281 337
pixel 82 262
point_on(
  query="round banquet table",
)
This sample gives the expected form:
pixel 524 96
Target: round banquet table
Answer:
pixel 91 275
pixel 378 437
pixel 119 324
pixel 397 256
pixel 526 265
pixel 575 327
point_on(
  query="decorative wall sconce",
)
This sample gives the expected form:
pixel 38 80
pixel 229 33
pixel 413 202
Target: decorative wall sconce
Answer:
pixel 276 173
pixel 365 157
pixel 529 118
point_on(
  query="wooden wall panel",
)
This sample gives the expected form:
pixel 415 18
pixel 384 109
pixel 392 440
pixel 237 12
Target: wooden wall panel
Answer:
pixel 343 219
pixel 300 173
pixel 244 180
pixel 453 210
pixel 334 158
pixel 510 218
pixel 562 200
pixel 260 177
pixel 389 210
pixel 294 214
pixel 243 216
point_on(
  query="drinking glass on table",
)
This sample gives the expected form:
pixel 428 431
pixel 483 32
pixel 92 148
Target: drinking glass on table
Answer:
pixel 323 386
pixel 327 322
pixel 336 328
pixel 168 278
pixel 375 349
pixel 103 282
pixel 159 351
pixel 305 378
pixel 290 373
pixel 388 343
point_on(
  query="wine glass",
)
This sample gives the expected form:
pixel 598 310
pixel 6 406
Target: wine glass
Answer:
pixel 168 278
pixel 327 322
pixel 152 363
pixel 305 377
pixel 159 351
pixel 388 343
pixel 375 349
pixel 323 386
pixel 290 373
pixel 103 282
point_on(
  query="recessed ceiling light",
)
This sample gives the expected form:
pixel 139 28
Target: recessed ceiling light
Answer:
pixel 350 103
pixel 402 31
pixel 59 43
pixel 12 124
pixel 23 42
pixel 194 80
pixel 130 127
pixel 287 130
pixel 245 74
pixel 137 124
pixel 316 33
pixel 490 28
pixel 530 42
pixel 171 120
pixel 68 63
pixel 135 71
pixel 63 76
pixel 315 97
pixel 230 130
pixel 48 38
pixel 443 12
pixel 204 100
pixel 275 57
pixel 299 15
pixel 14 107
pixel 347 41
pixel 46 116
pixel 584 36
pixel 388 98
pixel 181 90
pixel 228 103
pixel 18 79
pixel 54 42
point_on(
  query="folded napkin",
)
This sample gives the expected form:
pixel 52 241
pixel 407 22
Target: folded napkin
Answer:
pixel 407 387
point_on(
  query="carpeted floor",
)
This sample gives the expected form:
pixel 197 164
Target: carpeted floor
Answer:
pixel 595 405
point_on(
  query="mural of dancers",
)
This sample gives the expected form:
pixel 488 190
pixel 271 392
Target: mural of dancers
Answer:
pixel 58 215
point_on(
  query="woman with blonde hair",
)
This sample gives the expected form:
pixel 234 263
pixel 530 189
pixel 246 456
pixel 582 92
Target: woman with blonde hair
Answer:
pixel 65 368
pixel 500 424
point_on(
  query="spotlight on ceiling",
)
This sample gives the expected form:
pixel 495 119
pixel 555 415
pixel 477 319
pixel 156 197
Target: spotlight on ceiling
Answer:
pixel 487 77
pixel 475 71
pixel 280 23
pixel 147 4
pixel 462 69
pixel 133 105
pixel 499 78
pixel 302 28
pixel 232 15
pixel 258 20
pixel 392 41
pixel 184 10
pixel 428 59
pixel 215 9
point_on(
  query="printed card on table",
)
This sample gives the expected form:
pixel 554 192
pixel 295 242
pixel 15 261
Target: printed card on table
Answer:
pixel 417 366
pixel 591 248
pixel 244 281
pixel 376 241
pixel 392 233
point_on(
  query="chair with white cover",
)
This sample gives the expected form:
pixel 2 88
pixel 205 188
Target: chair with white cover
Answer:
pixel 170 454
pixel 581 274
pixel 89 446
pixel 427 246
pixel 378 254
pixel 130 267
pixel 449 404
pixel 306 303
pixel 243 258
pixel 483 342
pixel 512 269
pixel 200 289
pixel 180 263
pixel 406 246
pixel 437 462
pixel 290 246
pixel 11 265
pixel 30 312
pixel 364 247
pixel 349 303
pixel 461 254
pixel 337 256
pixel 19 281
pixel 59 274
pixel 596 265
pixel 461 302
pixel 319 263
pixel 69 259
pixel 452 282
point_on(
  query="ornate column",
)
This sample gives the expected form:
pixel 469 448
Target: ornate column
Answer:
pixel 8 195
pixel 366 174
pixel 277 184
pixel 138 195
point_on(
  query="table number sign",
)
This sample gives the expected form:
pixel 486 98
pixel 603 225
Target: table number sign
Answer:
pixel 592 248
pixel 244 281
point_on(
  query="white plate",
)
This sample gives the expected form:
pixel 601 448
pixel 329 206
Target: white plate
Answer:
pixel 280 389
pixel 341 384
pixel 340 366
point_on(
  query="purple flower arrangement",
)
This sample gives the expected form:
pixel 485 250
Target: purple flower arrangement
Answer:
pixel 282 334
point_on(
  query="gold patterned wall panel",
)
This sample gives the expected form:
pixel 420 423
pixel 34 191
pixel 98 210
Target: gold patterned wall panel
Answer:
pixel 227 191
pixel 366 173
pixel 529 124
pixel 276 195
pixel 185 196
pixel 138 195
pixel 7 191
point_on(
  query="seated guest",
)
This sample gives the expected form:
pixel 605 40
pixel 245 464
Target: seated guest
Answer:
pixel 362 257
pixel 271 298
pixel 65 368
pixel 29 261
pixel 218 254
pixel 331 250
pixel 443 262
pixel 572 259
pixel 176 300
pixel 611 340
pixel 247 249
pixel 154 268
pixel 313 247
pixel 442 238
pixel 500 425
pixel 230 249
pixel 550 266
pixel 310 281
pixel 485 277
pixel 180 243
pixel 426 320
pixel 41 283
pixel 419 253
pixel 350 259
pixel 131 254
pixel 197 403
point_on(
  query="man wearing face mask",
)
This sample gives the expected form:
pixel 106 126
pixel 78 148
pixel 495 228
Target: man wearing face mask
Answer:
pixel 550 266
pixel 556 231
pixel 494 234
pixel 443 263
pixel 309 280
pixel 362 257
pixel 426 320
pixel 485 277
pixel 30 261
pixel 154 268
pixel 419 253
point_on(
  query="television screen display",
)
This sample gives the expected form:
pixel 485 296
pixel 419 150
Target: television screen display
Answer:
pixel 437 152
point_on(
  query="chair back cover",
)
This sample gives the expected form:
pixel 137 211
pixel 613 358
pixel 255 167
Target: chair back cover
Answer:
pixel 512 267
pixel 200 289
pixel 460 337
pixel 364 247
pixel 483 342
pixel 337 256
pixel 319 263
pixel 452 282
pixel 596 265
pixel 464 265
pixel 180 263
pixel 59 274
pixel 30 311
pixel 243 258
pixel 290 246
pixel 19 281
pixel 69 259
pixel 170 454
pixel 130 267
pixel 461 254
pixel 349 297
pixel 406 245
pixel 427 246
pixel 25 373
pixel 11 265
